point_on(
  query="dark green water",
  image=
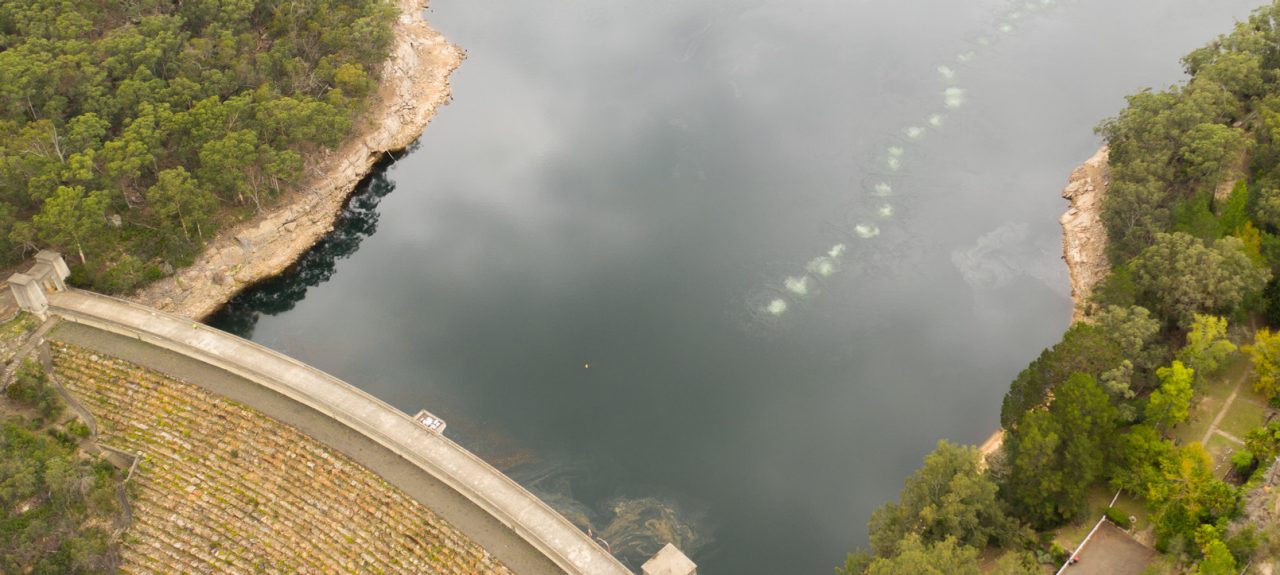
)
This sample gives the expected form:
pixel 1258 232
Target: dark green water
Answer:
pixel 630 185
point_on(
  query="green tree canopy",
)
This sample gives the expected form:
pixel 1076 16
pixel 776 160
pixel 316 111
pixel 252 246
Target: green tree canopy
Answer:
pixel 56 505
pixel 177 197
pixel 1179 276
pixel 73 217
pixel 1207 346
pixel 1210 149
pixel 1141 456
pixel 1171 403
pixel 1085 348
pixel 1136 333
pixel 1056 454
pixel 918 558
pixel 948 497
pixel 1265 353
pixel 1217 560
pixel 113 96
pixel 1189 496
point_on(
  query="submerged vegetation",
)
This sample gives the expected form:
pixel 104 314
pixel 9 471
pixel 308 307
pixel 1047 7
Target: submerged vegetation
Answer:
pixel 1192 215
pixel 137 129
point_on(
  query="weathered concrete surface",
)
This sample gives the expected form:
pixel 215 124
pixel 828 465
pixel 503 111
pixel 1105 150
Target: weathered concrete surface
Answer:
pixel 414 84
pixel 669 561
pixel 486 487
pixel 1112 552
pixel 1084 239
pixel 417 483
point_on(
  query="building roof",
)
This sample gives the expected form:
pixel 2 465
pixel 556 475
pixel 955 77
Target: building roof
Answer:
pixel 669 561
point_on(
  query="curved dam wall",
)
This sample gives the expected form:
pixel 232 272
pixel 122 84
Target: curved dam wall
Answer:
pixel 487 488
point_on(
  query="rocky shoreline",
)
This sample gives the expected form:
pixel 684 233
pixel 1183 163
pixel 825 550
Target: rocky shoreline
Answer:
pixel 1084 247
pixel 414 84
pixel 1084 239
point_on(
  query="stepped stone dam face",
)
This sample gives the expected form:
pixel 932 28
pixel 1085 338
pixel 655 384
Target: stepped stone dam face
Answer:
pixel 223 488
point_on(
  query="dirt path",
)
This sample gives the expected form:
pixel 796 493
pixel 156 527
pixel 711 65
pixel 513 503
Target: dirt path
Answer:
pixel 1226 406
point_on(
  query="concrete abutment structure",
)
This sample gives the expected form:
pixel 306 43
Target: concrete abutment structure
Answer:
pixel 49 275
pixel 42 291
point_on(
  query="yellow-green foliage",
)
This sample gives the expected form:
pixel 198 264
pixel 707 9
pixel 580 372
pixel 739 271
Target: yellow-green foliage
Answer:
pixel 1265 353
pixel 1170 403
pixel 1207 345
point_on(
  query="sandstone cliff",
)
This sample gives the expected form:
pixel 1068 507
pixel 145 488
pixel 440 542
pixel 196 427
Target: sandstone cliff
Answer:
pixel 1084 239
pixel 415 82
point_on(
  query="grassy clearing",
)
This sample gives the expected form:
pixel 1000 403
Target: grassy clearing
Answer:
pixel 1070 535
pixel 1220 449
pixel 1201 418
pixel 1242 417
pixel 17 326
pixel 1212 397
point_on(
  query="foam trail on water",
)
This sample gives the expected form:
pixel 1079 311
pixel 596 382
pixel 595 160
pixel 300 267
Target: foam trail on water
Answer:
pixel 894 159
pixel 827 265
pixel 797 285
pixel 824 266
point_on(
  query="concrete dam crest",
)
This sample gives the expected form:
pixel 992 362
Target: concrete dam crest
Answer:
pixel 482 502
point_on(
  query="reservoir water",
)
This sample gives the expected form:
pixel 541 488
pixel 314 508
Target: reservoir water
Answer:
pixel 720 272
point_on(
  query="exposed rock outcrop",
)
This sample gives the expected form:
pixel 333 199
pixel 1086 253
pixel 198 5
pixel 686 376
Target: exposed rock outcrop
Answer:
pixel 415 82
pixel 1084 239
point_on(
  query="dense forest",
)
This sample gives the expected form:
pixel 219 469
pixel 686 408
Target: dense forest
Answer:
pixel 1192 215
pixel 134 130
pixel 58 503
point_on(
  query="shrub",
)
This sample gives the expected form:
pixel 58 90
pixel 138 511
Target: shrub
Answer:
pixel 30 388
pixel 1117 288
pixel 78 428
pixel 1243 462
pixel 1058 554
pixel 127 273
pixel 1242 544
pixel 1120 518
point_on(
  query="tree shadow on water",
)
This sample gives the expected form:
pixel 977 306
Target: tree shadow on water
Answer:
pixel 357 221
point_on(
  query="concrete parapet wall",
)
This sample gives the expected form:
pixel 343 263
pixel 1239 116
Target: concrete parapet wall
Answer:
pixel 486 487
